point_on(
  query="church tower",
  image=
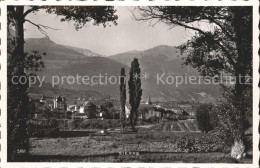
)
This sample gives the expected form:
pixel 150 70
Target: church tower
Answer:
pixel 149 101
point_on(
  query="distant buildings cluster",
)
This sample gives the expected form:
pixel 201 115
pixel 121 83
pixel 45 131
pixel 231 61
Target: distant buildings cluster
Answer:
pixel 164 110
pixel 49 108
pixel 57 108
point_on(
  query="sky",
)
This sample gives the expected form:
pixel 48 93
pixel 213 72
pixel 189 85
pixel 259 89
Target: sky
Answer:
pixel 128 35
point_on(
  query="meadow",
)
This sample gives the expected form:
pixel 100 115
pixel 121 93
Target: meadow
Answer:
pixel 144 146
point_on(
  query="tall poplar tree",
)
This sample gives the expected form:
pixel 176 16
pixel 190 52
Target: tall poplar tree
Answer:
pixel 135 92
pixel 122 97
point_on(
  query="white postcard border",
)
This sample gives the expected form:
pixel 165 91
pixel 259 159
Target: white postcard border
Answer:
pixel 3 78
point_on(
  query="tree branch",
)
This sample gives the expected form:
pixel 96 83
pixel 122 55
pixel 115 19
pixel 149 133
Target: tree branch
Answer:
pixel 216 42
pixel 150 14
pixel 34 8
pixel 223 29
pixel 40 26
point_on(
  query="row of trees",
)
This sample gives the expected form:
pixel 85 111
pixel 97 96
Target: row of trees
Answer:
pixel 135 93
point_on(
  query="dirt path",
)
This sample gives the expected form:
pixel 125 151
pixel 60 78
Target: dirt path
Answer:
pixel 144 126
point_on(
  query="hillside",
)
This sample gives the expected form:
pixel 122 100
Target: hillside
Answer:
pixel 167 51
pixel 68 61
pixel 70 94
pixel 57 51
pixel 168 60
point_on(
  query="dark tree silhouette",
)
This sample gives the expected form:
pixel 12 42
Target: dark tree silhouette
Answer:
pixel 91 110
pixel 105 108
pixel 17 99
pixel 135 91
pixel 203 117
pixel 122 97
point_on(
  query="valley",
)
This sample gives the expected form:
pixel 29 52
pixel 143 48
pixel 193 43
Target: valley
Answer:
pixel 65 61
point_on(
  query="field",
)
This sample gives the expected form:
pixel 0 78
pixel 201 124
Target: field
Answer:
pixel 144 146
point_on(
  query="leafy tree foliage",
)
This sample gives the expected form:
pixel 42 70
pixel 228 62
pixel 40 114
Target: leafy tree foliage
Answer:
pixel 19 63
pixel 91 110
pixel 83 15
pixel 106 109
pixel 122 97
pixel 203 117
pixel 135 91
pixel 33 62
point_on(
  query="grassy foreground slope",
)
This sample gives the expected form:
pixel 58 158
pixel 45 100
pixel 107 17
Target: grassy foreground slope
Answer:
pixel 153 146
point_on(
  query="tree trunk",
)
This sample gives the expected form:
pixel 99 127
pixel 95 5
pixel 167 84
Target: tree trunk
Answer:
pixel 242 28
pixel 133 119
pixel 122 119
pixel 238 149
pixel 17 99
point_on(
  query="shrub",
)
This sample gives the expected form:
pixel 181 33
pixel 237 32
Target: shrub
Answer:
pixel 201 143
pixel 203 117
pixel 153 119
pixel 214 119
pixel 193 142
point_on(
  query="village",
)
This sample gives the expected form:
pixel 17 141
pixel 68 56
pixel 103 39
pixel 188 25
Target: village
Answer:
pixel 57 108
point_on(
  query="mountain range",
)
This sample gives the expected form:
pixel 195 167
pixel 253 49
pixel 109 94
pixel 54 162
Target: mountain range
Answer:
pixel 64 60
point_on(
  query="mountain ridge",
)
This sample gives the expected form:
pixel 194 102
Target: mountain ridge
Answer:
pixel 65 60
pixel 47 40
